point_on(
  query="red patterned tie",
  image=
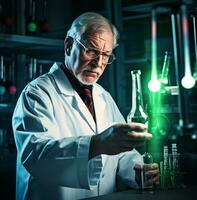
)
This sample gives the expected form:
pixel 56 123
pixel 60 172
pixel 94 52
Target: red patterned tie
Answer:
pixel 88 100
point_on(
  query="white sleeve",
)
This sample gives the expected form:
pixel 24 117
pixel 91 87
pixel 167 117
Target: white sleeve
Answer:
pixel 62 161
pixel 126 172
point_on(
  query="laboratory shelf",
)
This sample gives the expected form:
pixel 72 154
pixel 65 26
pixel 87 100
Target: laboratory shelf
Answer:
pixel 32 45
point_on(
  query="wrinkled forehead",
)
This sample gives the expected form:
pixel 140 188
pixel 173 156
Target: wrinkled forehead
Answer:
pixel 98 38
pixel 95 30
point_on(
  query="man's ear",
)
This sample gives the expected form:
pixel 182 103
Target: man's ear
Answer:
pixel 68 43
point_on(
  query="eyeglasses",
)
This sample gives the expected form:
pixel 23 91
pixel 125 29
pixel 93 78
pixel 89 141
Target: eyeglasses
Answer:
pixel 92 53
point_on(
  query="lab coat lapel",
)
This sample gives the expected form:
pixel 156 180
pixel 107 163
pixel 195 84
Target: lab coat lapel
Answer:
pixel 64 87
pixel 99 106
pixel 80 106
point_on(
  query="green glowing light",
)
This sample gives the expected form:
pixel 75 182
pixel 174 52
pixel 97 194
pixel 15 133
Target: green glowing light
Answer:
pixel 155 101
pixel 188 82
pixel 32 27
pixel 154 85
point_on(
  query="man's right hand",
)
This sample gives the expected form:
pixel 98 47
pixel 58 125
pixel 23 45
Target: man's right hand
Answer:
pixel 119 138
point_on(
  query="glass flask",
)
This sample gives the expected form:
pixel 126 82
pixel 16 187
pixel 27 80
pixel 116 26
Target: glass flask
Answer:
pixel 137 113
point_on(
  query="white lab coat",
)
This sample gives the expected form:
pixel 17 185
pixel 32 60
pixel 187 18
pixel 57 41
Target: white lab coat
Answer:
pixel 52 129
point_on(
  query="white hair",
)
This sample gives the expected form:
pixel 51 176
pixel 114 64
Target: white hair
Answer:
pixel 94 21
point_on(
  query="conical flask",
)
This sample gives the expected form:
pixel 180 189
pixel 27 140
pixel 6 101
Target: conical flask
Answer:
pixel 137 113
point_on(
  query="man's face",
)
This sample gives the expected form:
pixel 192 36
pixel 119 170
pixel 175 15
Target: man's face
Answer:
pixel 86 70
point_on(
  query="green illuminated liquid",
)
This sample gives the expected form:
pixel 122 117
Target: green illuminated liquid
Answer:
pixel 143 120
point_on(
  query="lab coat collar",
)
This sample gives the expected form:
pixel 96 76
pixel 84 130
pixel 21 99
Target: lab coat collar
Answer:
pixel 63 84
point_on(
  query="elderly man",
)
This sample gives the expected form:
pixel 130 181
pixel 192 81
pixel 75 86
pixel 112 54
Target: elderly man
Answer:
pixel 72 140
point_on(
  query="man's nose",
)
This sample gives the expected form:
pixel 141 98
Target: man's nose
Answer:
pixel 99 60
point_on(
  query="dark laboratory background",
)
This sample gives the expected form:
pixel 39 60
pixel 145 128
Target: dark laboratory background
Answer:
pixel 32 36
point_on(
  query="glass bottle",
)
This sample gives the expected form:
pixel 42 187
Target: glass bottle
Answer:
pixel 137 113
pixel 148 159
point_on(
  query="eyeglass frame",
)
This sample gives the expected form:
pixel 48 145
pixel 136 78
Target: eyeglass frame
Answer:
pixel 97 53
